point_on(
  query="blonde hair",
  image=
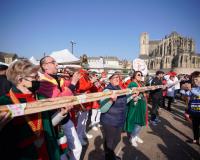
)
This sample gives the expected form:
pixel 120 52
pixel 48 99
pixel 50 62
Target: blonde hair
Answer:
pixel 20 69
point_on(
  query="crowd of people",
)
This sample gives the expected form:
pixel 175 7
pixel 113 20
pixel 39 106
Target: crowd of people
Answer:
pixel 62 133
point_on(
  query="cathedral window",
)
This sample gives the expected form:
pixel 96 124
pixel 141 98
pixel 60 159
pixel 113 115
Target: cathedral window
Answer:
pixel 193 60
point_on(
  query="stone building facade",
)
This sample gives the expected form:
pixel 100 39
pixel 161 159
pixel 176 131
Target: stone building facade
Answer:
pixel 173 52
pixel 7 57
pixel 109 64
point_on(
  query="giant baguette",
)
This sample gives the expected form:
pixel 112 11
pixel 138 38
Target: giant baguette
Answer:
pixel 64 101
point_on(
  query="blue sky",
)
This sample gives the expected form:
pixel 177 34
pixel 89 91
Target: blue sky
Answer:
pixel 99 27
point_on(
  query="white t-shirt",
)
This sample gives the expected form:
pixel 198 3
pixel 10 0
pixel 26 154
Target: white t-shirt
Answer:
pixel 170 91
pixel 177 86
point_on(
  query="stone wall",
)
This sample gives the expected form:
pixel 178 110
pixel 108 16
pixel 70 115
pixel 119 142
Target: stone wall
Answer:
pixel 173 51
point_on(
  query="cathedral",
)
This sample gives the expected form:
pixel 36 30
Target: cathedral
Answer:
pixel 173 52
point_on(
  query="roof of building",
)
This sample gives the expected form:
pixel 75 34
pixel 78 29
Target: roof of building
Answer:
pixel 154 42
pixel 4 54
pixel 105 58
pixel 174 33
pixel 94 58
pixel 111 58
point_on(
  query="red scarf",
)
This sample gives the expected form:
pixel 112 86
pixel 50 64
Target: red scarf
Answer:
pixel 33 121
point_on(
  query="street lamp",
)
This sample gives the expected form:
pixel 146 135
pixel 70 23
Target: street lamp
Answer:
pixel 72 43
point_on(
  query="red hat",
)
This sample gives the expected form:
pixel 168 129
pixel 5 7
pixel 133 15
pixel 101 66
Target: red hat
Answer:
pixel 172 74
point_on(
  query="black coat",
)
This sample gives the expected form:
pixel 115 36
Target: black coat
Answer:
pixel 158 92
pixel 5 85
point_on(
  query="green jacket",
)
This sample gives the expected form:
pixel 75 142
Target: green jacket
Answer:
pixel 136 112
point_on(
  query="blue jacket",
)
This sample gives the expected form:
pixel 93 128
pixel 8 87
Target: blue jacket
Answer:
pixel 193 106
pixel 117 112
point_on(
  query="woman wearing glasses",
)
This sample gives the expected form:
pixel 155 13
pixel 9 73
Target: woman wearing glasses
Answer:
pixel 136 113
pixel 31 136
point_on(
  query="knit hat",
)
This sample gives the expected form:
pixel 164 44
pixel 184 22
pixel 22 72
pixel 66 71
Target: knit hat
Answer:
pixel 112 75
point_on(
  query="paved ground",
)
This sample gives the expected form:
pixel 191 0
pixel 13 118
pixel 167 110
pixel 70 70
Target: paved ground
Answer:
pixel 170 139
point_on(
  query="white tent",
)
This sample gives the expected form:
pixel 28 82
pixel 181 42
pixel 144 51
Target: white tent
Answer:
pixel 75 66
pixel 64 56
pixel 1 63
pixel 34 61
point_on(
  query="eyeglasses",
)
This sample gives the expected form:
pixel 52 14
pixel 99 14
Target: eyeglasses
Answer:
pixel 52 62
pixel 139 75
pixel 32 77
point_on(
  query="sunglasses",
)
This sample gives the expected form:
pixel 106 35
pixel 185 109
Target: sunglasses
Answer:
pixel 139 75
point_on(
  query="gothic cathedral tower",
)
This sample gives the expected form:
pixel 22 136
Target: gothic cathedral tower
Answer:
pixel 144 44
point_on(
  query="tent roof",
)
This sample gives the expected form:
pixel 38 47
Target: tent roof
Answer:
pixel 1 63
pixel 75 66
pixel 34 61
pixel 64 56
